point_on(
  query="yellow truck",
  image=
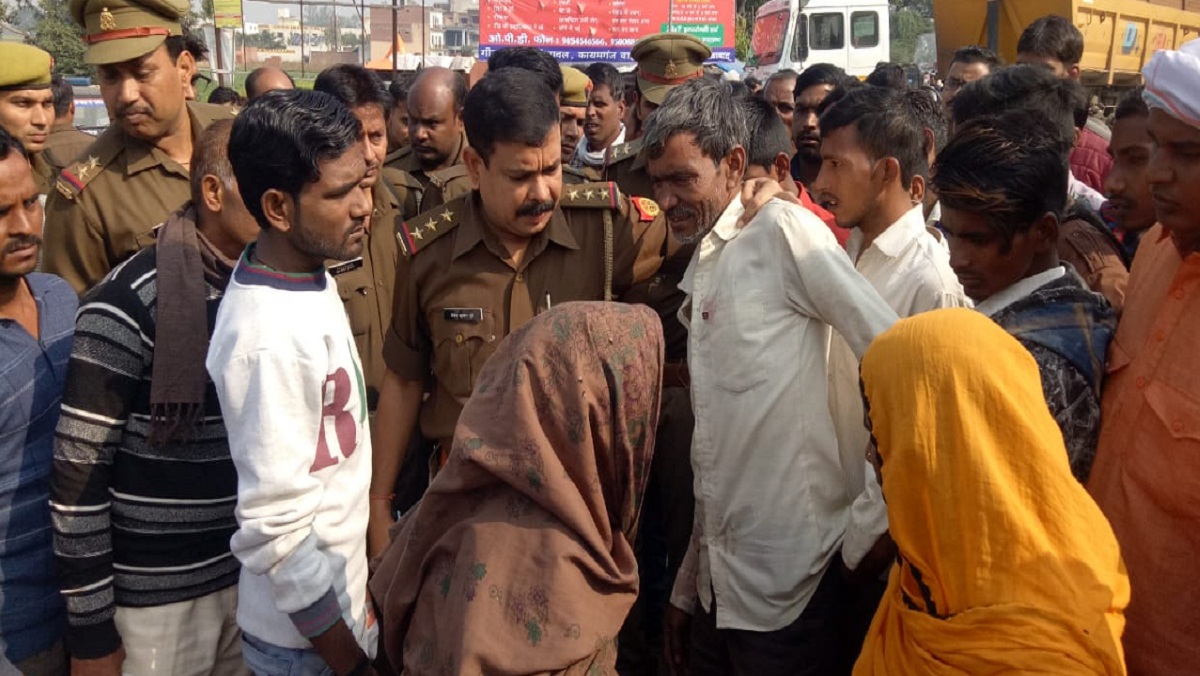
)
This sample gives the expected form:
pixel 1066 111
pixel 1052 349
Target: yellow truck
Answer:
pixel 1119 36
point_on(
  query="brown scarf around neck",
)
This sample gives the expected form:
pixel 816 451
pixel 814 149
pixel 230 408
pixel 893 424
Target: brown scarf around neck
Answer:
pixel 178 381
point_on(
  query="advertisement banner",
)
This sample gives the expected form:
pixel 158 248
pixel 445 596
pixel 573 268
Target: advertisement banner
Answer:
pixel 227 13
pixel 601 30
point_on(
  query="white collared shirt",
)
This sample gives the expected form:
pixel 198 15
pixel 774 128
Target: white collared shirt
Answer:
pixel 772 504
pixel 909 265
pixel 1011 294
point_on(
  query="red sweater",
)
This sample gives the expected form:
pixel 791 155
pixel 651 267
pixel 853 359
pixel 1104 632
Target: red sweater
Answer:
pixel 806 200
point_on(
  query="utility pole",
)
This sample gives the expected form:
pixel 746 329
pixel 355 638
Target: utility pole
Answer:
pixel 993 25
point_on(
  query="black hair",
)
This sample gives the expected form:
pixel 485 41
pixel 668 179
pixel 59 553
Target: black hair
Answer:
pixel 1053 36
pixel 531 59
pixel 279 141
pixel 885 127
pixel 252 81
pixel 976 54
pixel 768 135
pixel 210 156
pixel 1132 105
pixel 64 95
pixel 1009 168
pixel 740 92
pixel 1025 87
pixel 925 109
pixel 752 81
pixel 607 75
pixel 9 144
pixel 888 75
pixel 223 95
pixel 820 74
pixel 509 105
pixel 631 88
pixel 188 42
pixel 354 86
pixel 400 86
pixel 838 92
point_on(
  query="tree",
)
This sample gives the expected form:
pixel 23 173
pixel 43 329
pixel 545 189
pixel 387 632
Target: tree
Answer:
pixel 56 33
pixel 907 26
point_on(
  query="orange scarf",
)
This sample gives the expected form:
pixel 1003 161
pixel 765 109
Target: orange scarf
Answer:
pixel 1007 566
pixel 519 560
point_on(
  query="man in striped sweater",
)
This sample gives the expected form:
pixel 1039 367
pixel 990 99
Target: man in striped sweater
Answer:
pixel 143 489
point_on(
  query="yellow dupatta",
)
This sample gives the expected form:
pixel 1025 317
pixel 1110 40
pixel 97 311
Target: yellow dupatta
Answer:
pixel 1007 565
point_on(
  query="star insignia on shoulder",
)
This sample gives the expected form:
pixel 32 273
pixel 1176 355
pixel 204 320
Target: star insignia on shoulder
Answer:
pixel 431 226
pixel 92 164
pixel 589 194
pixel 603 193
pixel 573 194
pixel 416 233
pixel 448 216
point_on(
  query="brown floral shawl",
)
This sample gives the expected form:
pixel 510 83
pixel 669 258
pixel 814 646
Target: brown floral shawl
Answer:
pixel 519 559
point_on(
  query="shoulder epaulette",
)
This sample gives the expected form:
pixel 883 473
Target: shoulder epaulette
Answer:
pixel 207 113
pixel 418 232
pixel 75 177
pixel 591 196
pixel 397 155
pixel 442 177
pixel 624 152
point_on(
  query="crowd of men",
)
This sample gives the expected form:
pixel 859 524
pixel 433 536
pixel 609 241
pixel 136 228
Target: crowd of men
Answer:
pixel 239 335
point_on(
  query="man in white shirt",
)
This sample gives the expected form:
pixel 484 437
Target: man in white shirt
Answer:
pixel 286 370
pixel 772 498
pixel 873 147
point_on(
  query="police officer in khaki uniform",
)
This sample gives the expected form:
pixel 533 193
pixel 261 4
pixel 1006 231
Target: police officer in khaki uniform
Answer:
pixel 663 62
pixel 366 283
pixel 572 106
pixel 27 104
pixel 482 265
pixel 105 206
pixel 436 140
pixel 66 141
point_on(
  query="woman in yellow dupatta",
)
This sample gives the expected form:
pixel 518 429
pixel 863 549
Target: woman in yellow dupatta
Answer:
pixel 1005 564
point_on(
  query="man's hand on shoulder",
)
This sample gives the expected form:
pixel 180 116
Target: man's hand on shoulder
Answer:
pixel 757 192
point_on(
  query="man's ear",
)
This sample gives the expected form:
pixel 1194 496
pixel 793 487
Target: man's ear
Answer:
pixel 186 63
pixel 783 168
pixel 917 189
pixel 735 161
pixel 475 165
pixel 279 208
pixel 211 192
pixel 1045 231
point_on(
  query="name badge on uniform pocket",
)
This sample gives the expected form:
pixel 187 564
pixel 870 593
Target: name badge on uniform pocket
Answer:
pixel 343 268
pixel 467 315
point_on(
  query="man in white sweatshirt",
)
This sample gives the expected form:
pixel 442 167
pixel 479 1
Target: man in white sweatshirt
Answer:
pixel 283 360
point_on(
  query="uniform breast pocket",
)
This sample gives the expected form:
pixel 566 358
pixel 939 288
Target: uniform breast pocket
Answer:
pixel 461 345
pixel 1165 458
pixel 739 341
pixel 355 292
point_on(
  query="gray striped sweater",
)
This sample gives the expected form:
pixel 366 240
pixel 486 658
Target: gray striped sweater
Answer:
pixel 135 525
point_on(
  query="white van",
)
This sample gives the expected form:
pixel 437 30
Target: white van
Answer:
pixel 851 34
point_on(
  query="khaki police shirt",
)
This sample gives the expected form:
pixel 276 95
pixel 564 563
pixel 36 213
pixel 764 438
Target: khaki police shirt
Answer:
pixel 366 284
pixel 459 294
pixel 438 186
pixel 44 173
pixel 104 207
pixel 64 145
pixel 627 168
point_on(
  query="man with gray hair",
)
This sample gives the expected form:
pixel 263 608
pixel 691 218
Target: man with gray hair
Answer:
pixel 765 561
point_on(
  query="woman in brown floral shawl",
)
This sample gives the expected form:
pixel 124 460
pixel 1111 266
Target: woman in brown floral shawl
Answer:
pixel 519 558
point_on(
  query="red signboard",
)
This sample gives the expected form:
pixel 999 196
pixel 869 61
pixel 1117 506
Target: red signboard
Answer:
pixel 601 30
